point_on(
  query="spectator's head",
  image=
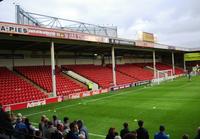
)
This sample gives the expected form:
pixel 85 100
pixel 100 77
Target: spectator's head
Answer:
pixel 46 120
pixel 54 117
pixel 23 119
pixel 66 119
pixel 140 123
pixel 38 133
pixel 198 130
pixel 117 137
pixel 111 131
pixel 116 133
pixel 185 136
pixel 26 121
pixel 125 125
pixel 80 124
pixel 50 124
pixel 130 136
pixel 43 118
pixel 73 127
pixel 60 126
pixel 162 128
pixel 19 115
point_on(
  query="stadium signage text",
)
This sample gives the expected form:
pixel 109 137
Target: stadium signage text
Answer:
pixel 13 29
pixel 37 103
pixel 47 32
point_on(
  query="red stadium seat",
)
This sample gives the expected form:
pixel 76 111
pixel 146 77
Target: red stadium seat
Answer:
pixel 41 75
pixel 14 89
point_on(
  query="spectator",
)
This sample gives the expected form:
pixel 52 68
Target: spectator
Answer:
pixel 73 133
pixel 45 128
pixel 42 124
pixel 198 133
pixel 117 136
pixel 82 129
pixel 185 136
pixel 58 134
pixel 29 127
pixel 51 130
pixel 55 121
pixel 20 126
pixel 5 124
pixel 111 133
pixel 130 136
pixel 125 130
pixel 142 133
pixel 66 123
pixel 161 134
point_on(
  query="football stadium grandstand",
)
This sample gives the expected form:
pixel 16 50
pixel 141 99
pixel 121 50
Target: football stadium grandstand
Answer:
pixel 42 64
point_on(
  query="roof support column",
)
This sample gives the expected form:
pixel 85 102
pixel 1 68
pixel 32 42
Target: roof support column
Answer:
pixel 173 67
pixel 113 66
pixel 154 64
pixel 53 71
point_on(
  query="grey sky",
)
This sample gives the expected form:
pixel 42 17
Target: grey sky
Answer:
pixel 175 22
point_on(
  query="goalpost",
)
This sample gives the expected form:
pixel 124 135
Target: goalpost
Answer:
pixel 163 75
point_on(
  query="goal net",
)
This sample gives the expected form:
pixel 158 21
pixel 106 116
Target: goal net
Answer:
pixel 163 75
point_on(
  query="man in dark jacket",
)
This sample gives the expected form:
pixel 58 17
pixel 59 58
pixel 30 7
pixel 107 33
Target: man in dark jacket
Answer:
pixel 142 133
pixel 125 130
pixel 73 133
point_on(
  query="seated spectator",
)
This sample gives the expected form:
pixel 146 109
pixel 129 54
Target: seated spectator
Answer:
pixel 185 136
pixel 161 134
pixel 111 133
pixel 73 133
pixel 198 133
pixel 125 130
pixel 142 133
pixel 82 129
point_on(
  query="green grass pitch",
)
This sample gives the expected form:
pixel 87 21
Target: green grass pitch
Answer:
pixel 175 104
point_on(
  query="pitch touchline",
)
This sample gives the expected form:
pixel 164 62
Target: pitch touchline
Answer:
pixel 93 100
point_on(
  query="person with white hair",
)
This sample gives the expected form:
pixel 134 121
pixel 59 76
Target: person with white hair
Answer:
pixel 198 133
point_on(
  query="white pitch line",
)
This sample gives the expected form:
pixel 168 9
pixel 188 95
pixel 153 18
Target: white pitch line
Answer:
pixel 93 100
pixel 97 135
pixel 36 113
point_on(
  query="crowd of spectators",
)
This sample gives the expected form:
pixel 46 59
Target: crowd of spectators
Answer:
pixel 142 133
pixel 18 126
